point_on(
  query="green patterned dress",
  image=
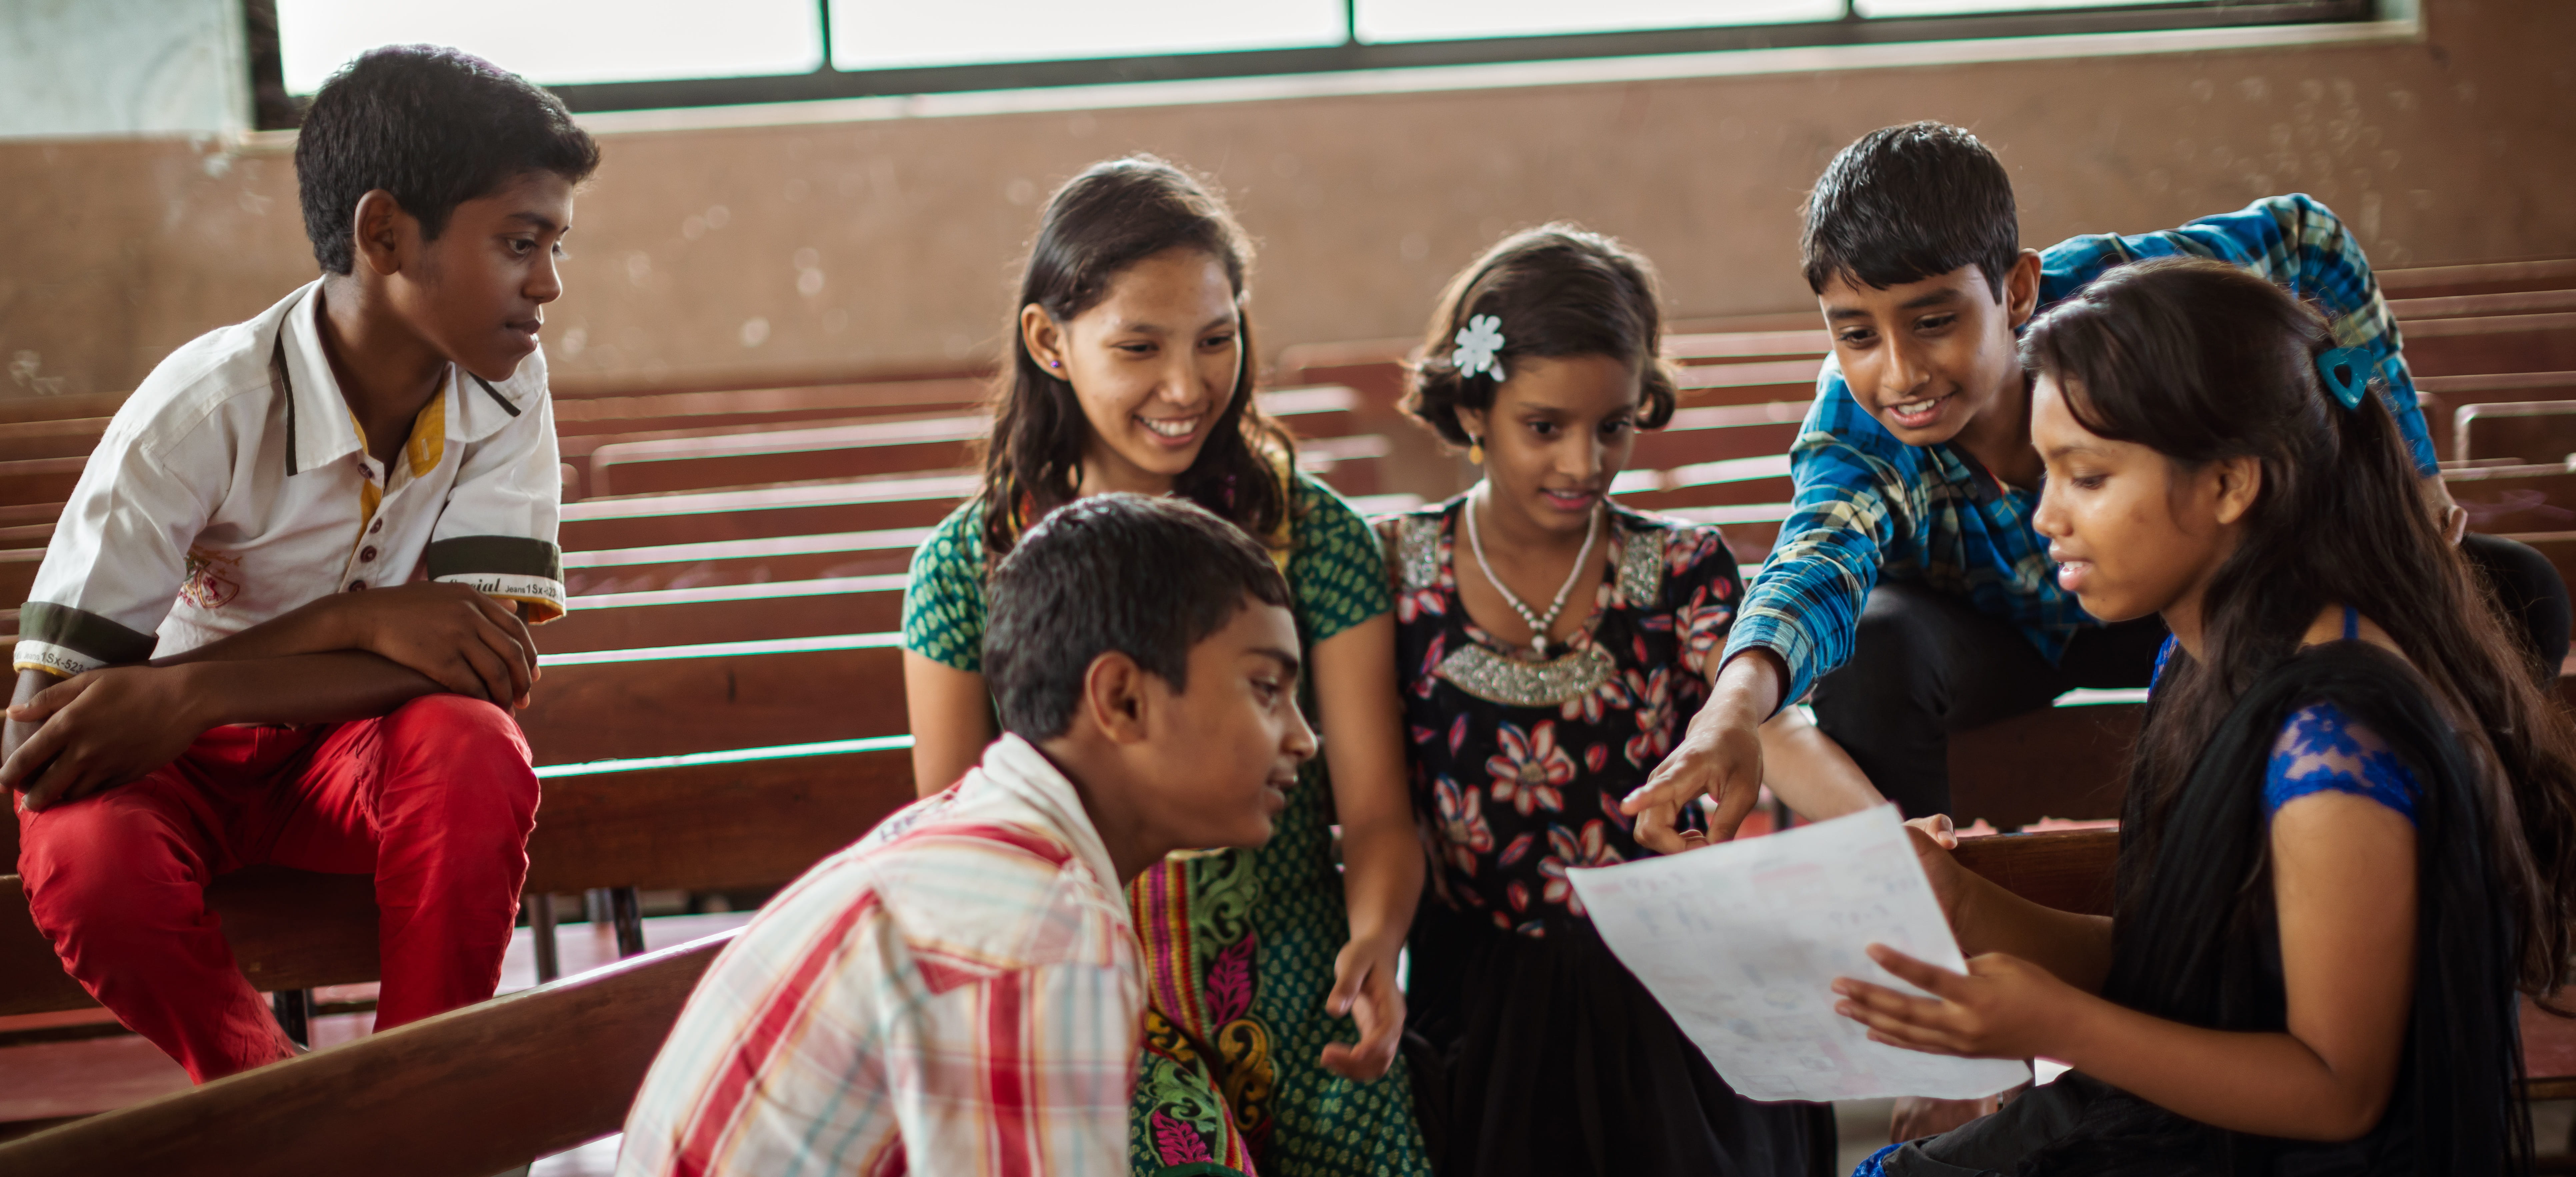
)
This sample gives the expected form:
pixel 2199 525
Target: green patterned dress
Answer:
pixel 1238 944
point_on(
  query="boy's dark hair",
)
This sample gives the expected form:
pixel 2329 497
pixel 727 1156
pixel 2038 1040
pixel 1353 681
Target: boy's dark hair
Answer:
pixel 1903 204
pixel 435 127
pixel 1559 291
pixel 1146 577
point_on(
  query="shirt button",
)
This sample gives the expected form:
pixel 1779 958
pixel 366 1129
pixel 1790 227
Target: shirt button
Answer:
pixel 355 585
pixel 366 553
pixel 378 525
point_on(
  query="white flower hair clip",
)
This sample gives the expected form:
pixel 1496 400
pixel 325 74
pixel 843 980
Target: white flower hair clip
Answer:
pixel 1480 347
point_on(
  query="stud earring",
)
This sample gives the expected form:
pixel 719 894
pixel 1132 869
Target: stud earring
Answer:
pixel 1053 364
pixel 1475 450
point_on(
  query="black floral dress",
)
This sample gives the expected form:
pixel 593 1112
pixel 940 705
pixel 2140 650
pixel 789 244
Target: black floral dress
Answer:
pixel 1556 1059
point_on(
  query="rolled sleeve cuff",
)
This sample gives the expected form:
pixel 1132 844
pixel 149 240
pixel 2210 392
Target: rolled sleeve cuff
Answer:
pixel 69 641
pixel 52 659
pixel 509 567
pixel 1767 628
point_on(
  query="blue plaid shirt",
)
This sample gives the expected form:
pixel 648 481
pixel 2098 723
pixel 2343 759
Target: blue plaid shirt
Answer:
pixel 1868 505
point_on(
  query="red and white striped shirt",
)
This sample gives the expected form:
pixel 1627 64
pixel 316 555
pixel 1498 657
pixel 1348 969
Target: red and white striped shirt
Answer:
pixel 957 992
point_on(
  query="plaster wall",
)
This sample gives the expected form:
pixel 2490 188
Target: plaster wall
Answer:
pixel 770 253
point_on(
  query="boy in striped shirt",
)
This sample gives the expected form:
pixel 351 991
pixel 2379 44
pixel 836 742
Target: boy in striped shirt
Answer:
pixel 959 992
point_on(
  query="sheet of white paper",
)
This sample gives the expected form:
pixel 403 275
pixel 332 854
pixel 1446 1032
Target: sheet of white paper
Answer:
pixel 1740 941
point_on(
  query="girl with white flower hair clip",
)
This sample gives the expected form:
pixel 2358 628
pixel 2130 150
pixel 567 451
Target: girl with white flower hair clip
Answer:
pixel 1550 644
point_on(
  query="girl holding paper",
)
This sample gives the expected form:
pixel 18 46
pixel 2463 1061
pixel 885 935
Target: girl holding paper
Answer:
pixel 1550 643
pixel 2350 834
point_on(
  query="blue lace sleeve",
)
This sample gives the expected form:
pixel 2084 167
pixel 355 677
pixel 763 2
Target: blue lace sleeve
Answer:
pixel 2321 748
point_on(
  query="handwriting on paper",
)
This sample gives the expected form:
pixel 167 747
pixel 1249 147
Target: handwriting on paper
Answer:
pixel 1739 942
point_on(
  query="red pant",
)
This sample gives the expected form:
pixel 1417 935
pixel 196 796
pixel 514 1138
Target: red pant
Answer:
pixel 434 800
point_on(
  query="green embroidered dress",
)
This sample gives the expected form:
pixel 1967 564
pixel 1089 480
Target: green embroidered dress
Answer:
pixel 1238 944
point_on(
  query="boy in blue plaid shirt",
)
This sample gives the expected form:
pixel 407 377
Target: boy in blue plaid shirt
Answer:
pixel 1908 588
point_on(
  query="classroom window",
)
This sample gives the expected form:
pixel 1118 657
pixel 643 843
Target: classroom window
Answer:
pixel 559 42
pixel 640 54
pixel 1386 21
pixel 876 34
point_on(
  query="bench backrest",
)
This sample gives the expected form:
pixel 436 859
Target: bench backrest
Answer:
pixel 468 1093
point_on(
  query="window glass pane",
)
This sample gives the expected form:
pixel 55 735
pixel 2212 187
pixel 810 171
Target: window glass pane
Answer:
pixel 1956 7
pixel 1445 20
pixel 881 34
pixel 560 42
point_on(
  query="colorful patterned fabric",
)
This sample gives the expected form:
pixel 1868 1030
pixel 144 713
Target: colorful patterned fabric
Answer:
pixel 1238 944
pixel 1518 766
pixel 1867 505
pixel 943 601
pixel 956 993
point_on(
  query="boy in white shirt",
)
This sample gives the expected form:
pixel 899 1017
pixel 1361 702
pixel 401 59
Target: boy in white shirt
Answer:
pixel 204 681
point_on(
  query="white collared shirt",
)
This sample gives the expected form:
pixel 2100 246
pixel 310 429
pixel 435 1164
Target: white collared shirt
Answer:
pixel 234 486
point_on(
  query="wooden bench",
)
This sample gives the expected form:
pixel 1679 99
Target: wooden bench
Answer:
pixel 694 565
pixel 686 461
pixel 2066 761
pixel 1708 433
pixel 712 410
pixel 1382 382
pixel 773 512
pixel 44 439
pixel 746 612
pixel 2516 432
pixel 2503 344
pixel 288 929
pixel 739 818
pixel 2534 503
pixel 866 504
pixel 700 459
pixel 2069 870
pixel 469 1093
pixel 850 582
pixel 672 700
pixel 2482 278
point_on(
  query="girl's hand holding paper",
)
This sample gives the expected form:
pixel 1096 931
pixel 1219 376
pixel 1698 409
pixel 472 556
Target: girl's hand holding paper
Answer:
pixel 2003 1007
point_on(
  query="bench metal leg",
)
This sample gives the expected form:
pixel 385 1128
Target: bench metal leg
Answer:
pixel 627 910
pixel 294 1008
pixel 541 929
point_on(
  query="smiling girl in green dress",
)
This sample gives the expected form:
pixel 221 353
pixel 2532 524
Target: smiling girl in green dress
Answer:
pixel 1132 371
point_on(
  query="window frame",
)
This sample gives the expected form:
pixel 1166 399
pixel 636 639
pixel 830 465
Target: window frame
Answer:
pixel 275 109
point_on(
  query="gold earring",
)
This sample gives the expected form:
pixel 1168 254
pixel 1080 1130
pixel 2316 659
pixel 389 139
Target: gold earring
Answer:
pixel 1475 450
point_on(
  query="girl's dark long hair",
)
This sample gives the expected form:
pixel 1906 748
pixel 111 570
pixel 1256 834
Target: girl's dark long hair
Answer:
pixel 2202 361
pixel 1101 223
